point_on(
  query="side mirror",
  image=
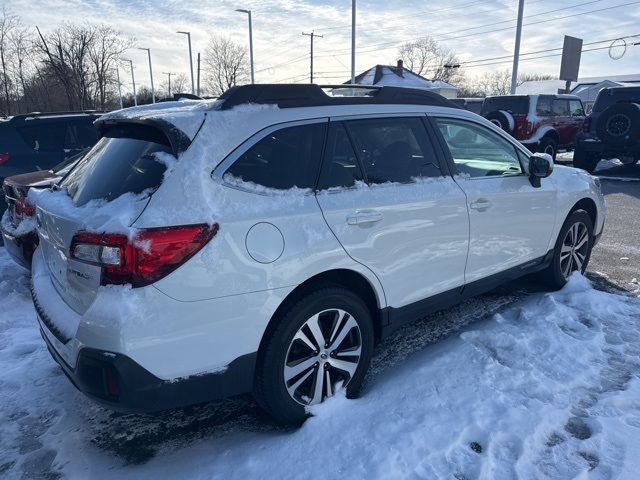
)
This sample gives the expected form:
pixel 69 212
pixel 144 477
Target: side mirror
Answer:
pixel 540 166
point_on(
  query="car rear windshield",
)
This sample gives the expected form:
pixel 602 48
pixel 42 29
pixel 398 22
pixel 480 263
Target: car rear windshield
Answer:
pixel 516 104
pixel 125 160
pixel 606 98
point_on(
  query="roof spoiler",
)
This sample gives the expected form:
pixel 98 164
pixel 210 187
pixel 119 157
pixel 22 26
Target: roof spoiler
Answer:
pixel 178 140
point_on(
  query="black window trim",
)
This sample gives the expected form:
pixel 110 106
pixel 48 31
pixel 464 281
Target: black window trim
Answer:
pixel 447 153
pixel 220 170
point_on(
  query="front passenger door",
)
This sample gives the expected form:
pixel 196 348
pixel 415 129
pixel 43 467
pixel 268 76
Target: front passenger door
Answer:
pixel 510 220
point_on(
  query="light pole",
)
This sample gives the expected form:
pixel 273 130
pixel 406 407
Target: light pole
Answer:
pixel 169 75
pixel 133 81
pixel 193 85
pixel 153 92
pixel 119 87
pixel 353 42
pixel 516 51
pixel 248 12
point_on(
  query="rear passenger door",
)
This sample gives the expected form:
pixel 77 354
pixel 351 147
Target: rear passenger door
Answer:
pixel 393 207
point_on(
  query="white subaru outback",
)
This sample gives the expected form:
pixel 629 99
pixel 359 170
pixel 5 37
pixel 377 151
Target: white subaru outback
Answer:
pixel 265 242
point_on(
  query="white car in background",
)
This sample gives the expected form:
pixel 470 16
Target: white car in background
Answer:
pixel 267 241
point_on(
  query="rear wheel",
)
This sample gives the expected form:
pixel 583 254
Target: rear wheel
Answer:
pixel 548 145
pixel 572 250
pixel 321 343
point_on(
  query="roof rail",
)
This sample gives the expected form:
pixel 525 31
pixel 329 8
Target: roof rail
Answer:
pixel 312 95
pixel 51 114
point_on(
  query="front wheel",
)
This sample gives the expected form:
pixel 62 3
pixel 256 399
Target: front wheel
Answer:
pixel 321 343
pixel 572 250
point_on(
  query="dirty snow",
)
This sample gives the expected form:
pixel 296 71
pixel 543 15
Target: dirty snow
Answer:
pixel 25 226
pixel 548 387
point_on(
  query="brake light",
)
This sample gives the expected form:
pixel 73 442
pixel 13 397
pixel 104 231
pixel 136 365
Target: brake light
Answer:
pixel 152 254
pixel 24 208
pixel 4 157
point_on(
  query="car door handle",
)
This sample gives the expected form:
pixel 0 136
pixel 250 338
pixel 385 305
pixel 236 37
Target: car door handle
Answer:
pixel 362 217
pixel 481 204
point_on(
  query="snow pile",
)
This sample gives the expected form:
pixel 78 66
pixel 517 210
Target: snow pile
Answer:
pixel 548 388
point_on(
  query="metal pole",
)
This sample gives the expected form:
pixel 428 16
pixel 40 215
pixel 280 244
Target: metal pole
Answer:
pixel 193 85
pixel 311 35
pixel 248 12
pixel 119 87
pixel 353 41
pixel 198 90
pixel 153 92
pixel 133 81
pixel 516 52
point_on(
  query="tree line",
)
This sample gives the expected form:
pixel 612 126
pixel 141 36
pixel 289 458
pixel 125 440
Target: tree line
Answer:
pixel 75 67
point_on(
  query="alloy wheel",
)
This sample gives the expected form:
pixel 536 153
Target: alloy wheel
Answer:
pixel 324 352
pixel 574 250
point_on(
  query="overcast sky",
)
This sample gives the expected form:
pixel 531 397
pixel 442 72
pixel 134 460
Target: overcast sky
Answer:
pixel 474 29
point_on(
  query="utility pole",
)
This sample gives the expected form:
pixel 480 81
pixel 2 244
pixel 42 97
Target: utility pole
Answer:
pixel 198 89
pixel 133 81
pixel 153 92
pixel 311 35
pixel 353 41
pixel 119 87
pixel 193 85
pixel 169 75
pixel 516 52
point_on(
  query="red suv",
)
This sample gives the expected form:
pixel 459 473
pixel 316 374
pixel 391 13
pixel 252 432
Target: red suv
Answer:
pixel 542 123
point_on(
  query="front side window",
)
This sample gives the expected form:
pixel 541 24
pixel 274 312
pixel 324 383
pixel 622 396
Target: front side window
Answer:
pixel 286 158
pixel 393 149
pixel 576 108
pixel 477 151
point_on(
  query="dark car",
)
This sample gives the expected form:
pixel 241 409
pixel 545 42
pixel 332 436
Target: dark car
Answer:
pixel 542 123
pixel 471 104
pixel 18 221
pixel 612 130
pixel 40 141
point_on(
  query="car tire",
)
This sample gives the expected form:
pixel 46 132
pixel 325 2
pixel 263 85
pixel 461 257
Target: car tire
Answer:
pixel 501 119
pixel 619 125
pixel 585 160
pixel 548 145
pixel 279 387
pixel 577 224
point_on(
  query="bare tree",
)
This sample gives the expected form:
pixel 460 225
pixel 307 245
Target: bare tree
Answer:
pixel 104 51
pixel 428 58
pixel 225 64
pixel 8 24
pixel 496 82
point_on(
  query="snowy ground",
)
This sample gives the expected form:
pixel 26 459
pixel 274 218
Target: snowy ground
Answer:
pixel 514 384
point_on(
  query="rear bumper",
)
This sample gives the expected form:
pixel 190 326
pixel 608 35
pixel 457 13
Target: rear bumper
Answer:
pixel 20 248
pixel 595 145
pixel 121 384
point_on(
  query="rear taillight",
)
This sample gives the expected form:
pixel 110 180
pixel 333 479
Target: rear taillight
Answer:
pixel 152 254
pixel 24 208
pixel 586 124
pixel 4 157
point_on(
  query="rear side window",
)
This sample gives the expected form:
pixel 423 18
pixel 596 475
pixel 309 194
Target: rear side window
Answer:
pixel 560 107
pixel 123 161
pixel 286 158
pixel 44 137
pixel 393 149
pixel 543 106
pixel 515 104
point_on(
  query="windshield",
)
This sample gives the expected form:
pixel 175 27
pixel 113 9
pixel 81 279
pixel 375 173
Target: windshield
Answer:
pixel 66 165
pixel 606 98
pixel 123 161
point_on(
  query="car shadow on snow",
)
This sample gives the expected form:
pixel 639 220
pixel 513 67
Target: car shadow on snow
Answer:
pixel 138 438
